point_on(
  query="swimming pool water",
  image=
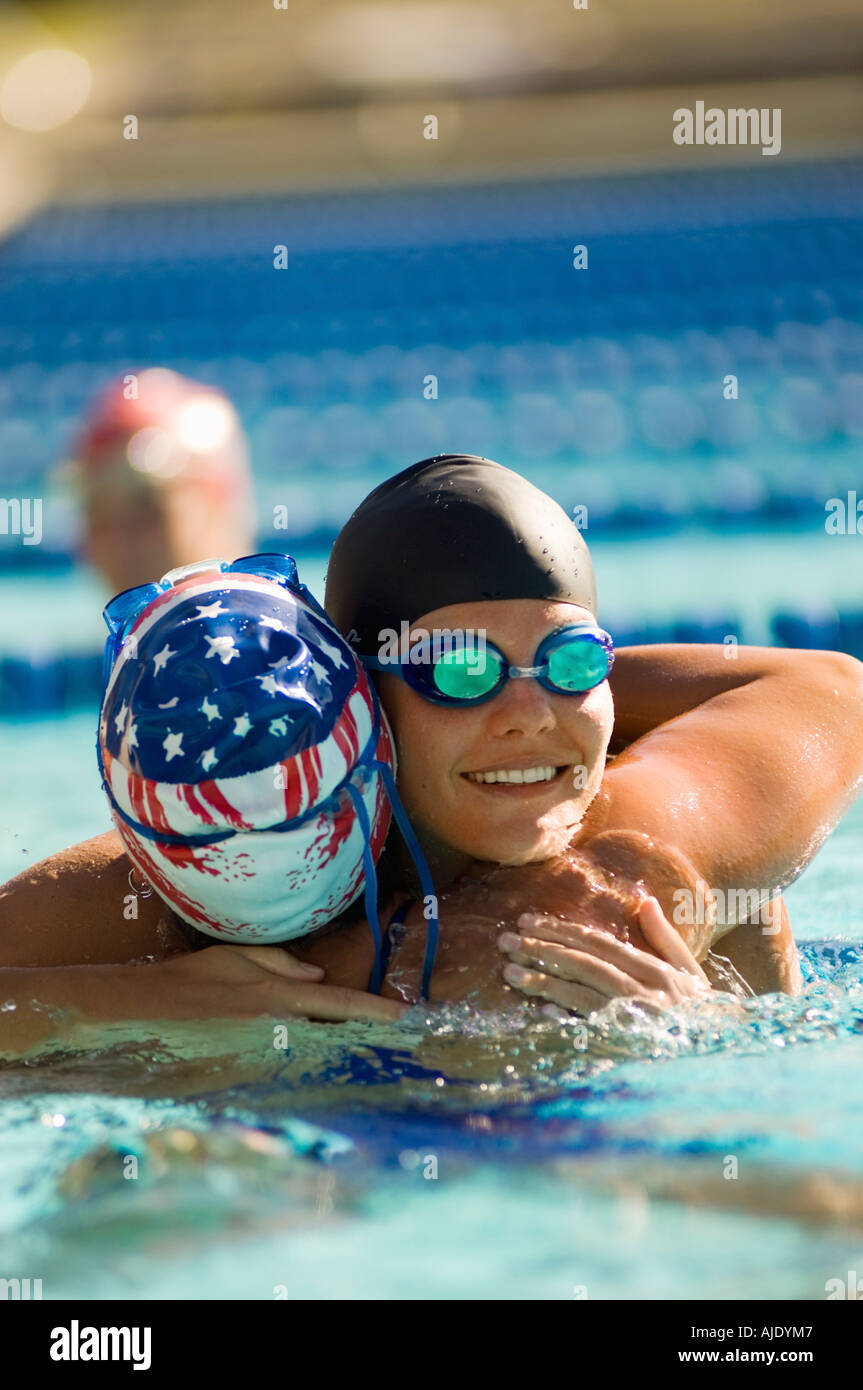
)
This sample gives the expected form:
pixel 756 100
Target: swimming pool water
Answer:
pixel 448 1157
pixel 474 1160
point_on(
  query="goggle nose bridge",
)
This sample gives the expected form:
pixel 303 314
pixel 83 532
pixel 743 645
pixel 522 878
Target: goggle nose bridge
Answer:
pixel 181 572
pixel 517 673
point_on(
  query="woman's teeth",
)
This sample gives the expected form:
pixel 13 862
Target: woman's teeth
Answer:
pixel 515 774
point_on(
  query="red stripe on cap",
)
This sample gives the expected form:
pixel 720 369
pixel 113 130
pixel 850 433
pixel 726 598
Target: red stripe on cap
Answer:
pixel 310 760
pixel 384 750
pixel 137 798
pixel 381 822
pixel 293 787
pixel 157 820
pixel 211 793
pixel 183 857
pixel 172 895
pixel 195 806
pixel 346 737
pixel 337 828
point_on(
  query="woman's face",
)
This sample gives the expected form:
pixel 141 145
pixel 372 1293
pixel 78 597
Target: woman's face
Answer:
pixel 524 726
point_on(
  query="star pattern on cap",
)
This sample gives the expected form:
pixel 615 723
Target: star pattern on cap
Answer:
pixel 160 660
pixel 222 646
pixel 283 676
pixel 120 717
pixel 173 746
pixel 333 653
pixel 211 711
pixel 211 610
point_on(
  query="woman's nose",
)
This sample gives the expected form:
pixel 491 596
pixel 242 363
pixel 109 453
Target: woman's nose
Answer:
pixel 522 706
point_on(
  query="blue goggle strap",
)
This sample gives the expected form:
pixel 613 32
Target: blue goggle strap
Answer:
pixel 422 868
pixel 371 890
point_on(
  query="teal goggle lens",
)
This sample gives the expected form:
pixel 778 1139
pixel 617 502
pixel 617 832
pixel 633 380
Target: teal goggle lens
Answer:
pixel 577 665
pixel 467 673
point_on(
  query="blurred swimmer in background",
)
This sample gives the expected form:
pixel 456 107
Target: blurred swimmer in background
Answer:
pixel 162 471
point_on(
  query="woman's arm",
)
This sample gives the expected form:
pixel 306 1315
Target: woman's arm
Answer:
pixel 653 685
pixel 67 1004
pixel 78 907
pixel 72 928
pixel 748 783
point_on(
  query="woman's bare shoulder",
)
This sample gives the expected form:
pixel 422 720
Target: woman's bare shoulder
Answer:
pixel 79 907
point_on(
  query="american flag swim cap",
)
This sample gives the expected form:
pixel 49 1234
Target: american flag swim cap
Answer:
pixel 238 738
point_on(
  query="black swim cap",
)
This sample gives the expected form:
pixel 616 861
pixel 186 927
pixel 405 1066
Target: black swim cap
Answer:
pixel 451 529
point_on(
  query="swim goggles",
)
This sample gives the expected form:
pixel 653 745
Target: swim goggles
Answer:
pixel 120 614
pixel 468 672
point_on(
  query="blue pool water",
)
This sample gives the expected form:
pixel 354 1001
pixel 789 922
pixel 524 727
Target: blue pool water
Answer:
pixel 404 1175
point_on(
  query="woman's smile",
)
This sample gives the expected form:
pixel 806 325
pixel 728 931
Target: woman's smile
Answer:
pixel 521 779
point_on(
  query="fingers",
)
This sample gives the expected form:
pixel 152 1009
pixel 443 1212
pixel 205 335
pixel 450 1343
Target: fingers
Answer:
pixel 628 962
pixel 329 1003
pixel 279 962
pixel 580 966
pixel 660 934
pixel 577 998
pixel 335 1004
pixel 574 965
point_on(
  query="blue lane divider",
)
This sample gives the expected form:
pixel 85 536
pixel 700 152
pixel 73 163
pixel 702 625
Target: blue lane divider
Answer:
pixel 51 684
pixel 827 631
pixel 72 681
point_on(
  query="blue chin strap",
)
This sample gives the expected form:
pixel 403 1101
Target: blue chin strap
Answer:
pixel 371 886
